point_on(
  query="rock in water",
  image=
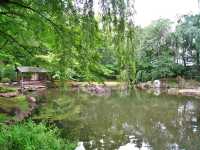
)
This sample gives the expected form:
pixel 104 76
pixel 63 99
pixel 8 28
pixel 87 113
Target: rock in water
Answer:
pixel 80 146
pixel 99 89
pixel 156 84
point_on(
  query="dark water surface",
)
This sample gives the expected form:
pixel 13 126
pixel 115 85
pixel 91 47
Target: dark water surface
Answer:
pixel 124 120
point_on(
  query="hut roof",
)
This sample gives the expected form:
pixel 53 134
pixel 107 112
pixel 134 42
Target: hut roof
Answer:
pixel 31 69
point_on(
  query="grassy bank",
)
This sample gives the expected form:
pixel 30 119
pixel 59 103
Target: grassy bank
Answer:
pixel 8 106
pixel 31 136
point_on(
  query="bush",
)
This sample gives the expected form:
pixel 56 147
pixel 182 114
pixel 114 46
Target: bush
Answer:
pixel 143 76
pixel 9 72
pixel 5 80
pixel 30 136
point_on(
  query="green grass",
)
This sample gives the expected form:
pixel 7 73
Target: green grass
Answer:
pixel 7 89
pixel 4 117
pixel 19 102
pixel 32 136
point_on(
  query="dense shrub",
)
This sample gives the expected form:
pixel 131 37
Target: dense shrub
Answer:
pixel 158 69
pixel 5 80
pixel 31 136
pixel 143 76
pixel 192 72
pixel 9 72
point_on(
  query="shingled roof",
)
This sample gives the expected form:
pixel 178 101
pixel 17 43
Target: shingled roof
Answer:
pixel 31 69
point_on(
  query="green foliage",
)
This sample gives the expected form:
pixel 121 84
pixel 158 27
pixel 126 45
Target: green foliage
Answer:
pixel 75 42
pixel 31 136
pixel 3 117
pixel 155 53
pixel 7 73
pixel 70 36
pixel 5 80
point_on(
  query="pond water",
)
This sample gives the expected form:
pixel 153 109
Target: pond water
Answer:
pixel 123 120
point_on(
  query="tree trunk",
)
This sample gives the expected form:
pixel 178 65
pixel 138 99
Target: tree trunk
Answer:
pixel 184 61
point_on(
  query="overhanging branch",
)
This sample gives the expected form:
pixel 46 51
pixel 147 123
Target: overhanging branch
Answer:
pixel 4 44
pixel 12 39
pixel 11 13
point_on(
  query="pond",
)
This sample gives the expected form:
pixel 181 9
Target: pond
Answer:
pixel 123 120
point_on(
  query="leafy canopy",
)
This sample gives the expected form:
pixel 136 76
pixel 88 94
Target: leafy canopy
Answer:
pixel 69 33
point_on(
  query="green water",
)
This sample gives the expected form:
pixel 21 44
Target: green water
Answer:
pixel 124 120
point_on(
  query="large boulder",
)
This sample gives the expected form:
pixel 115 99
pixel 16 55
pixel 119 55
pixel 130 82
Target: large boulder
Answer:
pixel 172 91
pixel 10 94
pixel 156 84
pixel 145 85
pixel 189 92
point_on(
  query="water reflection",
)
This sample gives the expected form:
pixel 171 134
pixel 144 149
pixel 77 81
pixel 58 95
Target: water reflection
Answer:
pixel 135 144
pixel 134 120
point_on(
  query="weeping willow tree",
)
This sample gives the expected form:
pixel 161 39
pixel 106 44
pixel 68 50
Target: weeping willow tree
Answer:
pixel 118 22
pixel 70 31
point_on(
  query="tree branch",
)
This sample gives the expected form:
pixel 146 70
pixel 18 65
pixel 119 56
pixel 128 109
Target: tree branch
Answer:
pixel 4 44
pixel 11 13
pixel 11 38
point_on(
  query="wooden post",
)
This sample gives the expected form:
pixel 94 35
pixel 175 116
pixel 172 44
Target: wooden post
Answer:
pixel 22 80
pixel 17 76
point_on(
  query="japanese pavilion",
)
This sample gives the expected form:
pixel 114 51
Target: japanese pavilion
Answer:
pixel 31 78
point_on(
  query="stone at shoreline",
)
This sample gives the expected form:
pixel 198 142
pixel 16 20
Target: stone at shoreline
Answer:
pixel 145 85
pixel 173 91
pixel 189 92
pixel 10 94
pixel 31 99
pixel 98 90
pixel 156 84
pixel 173 87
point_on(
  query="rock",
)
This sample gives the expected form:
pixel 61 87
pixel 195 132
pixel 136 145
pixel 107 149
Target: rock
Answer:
pixel 80 146
pixel 99 89
pixel 74 85
pixel 14 83
pixel 156 84
pixel 145 85
pixel 181 82
pixel 156 92
pixel 189 92
pixel 149 84
pixel 32 99
pixel 142 86
pixel 173 91
pixel 11 94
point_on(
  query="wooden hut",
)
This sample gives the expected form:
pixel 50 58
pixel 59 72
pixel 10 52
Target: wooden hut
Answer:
pixel 32 78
